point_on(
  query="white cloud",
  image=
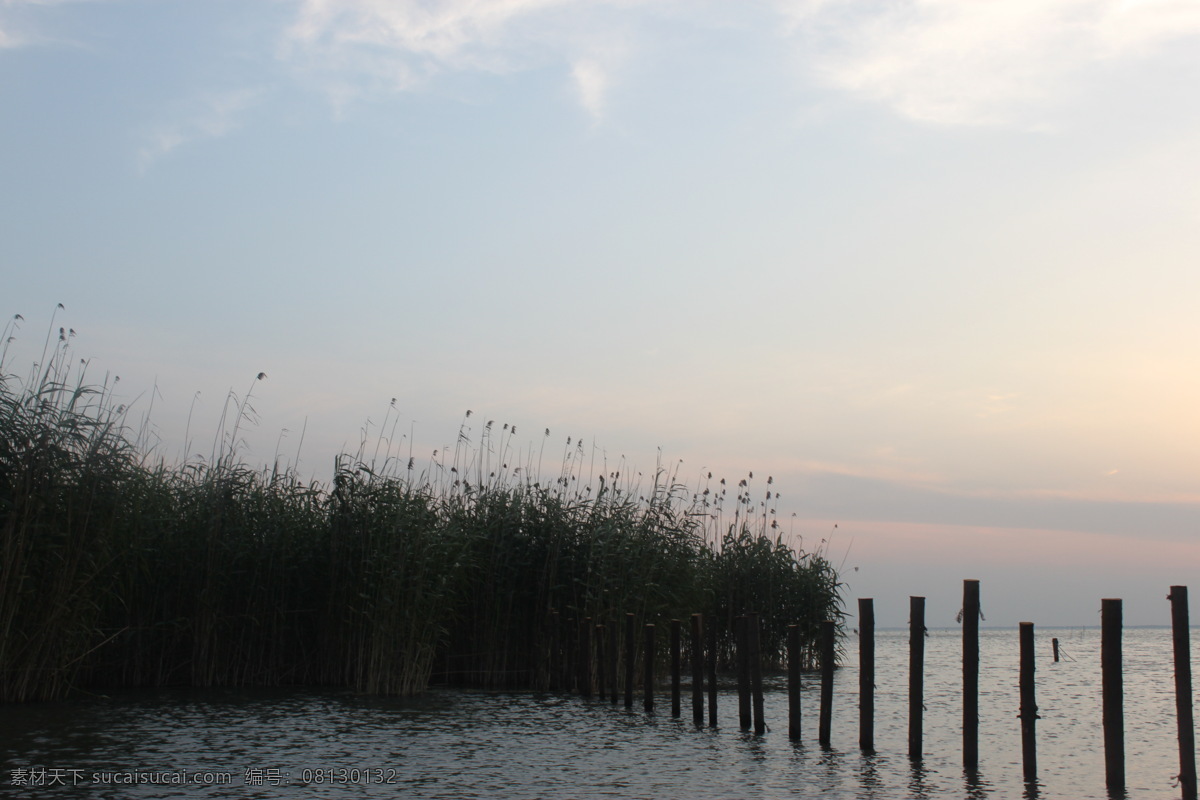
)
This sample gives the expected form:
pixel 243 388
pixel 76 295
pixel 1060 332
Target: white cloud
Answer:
pixel 997 404
pixel 953 62
pixel 360 46
pixel 1136 26
pixel 211 116
pixel 398 46
pixel 10 22
pixel 444 31
pixel 17 28
pixel 1008 62
pixel 1004 62
pixel 592 81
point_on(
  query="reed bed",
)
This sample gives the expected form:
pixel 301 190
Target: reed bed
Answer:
pixel 119 570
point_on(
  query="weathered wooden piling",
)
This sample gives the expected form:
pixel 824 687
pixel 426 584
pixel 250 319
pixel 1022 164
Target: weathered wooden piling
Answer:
pixel 970 668
pixel 1113 692
pixel 754 632
pixel 866 674
pixel 552 654
pixel 1183 692
pixel 698 669
pixel 828 657
pixel 1054 647
pixel 742 648
pixel 601 664
pixel 648 656
pixel 916 675
pixel 555 659
pixel 585 657
pixel 711 649
pixel 675 666
pixel 1029 709
pixel 630 649
pixel 793 656
pixel 613 641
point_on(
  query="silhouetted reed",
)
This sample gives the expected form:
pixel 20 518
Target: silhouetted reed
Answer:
pixel 120 571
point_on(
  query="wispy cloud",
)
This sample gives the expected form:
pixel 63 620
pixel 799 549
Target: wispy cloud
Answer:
pixel 939 61
pixel 450 32
pixel 592 82
pixel 14 25
pixel 210 116
pixel 945 61
pixel 19 24
pixel 363 46
pixel 997 404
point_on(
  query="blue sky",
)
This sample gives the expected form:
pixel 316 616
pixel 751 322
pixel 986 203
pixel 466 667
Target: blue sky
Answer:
pixel 929 264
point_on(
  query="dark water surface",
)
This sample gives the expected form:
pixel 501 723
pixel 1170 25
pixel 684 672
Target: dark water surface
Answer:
pixel 459 744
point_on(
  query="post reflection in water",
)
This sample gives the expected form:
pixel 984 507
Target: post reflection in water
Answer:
pixel 917 787
pixel 975 787
pixel 869 780
pixel 465 745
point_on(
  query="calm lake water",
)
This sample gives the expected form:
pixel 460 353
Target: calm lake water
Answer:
pixel 461 744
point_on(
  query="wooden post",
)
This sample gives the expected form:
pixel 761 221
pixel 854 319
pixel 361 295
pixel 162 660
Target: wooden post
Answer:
pixel 866 674
pixel 711 639
pixel 1114 694
pixel 756 688
pixel 675 665
pixel 916 675
pixel 585 657
pixel 1054 646
pixel 648 655
pixel 742 645
pixel 970 668
pixel 630 650
pixel 613 641
pixel 1029 709
pixel 828 656
pixel 601 664
pixel 1183 692
pixel 698 669
pixel 794 681
pixel 555 657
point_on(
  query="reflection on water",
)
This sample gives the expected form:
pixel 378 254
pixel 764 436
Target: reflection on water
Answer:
pixel 455 744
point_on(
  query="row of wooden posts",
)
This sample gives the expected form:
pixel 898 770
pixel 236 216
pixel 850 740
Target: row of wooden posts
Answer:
pixel 600 670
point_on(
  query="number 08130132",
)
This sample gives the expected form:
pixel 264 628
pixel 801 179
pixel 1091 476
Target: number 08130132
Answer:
pixel 350 775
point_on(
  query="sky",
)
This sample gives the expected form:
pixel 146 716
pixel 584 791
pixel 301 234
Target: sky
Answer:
pixel 930 265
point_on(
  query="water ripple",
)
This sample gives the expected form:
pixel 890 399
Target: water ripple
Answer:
pixel 461 744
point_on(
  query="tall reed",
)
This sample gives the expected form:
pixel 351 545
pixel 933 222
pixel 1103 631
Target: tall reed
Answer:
pixel 122 570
